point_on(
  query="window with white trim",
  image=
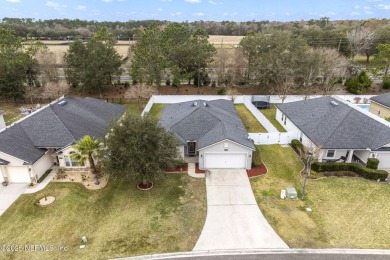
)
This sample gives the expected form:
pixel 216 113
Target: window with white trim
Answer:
pixel 331 153
pixel 69 162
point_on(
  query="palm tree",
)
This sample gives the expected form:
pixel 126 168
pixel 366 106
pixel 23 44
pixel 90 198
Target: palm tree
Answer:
pixel 85 148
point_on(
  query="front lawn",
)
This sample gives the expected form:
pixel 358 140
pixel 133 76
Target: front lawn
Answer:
pixel 118 220
pixel 251 124
pixel 270 114
pixel 347 212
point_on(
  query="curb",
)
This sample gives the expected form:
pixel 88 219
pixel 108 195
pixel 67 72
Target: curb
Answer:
pixel 260 252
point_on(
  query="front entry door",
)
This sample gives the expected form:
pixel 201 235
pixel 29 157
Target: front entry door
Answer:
pixel 191 148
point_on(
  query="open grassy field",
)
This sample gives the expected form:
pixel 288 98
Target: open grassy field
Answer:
pixel 225 40
pixel 118 220
pixel 347 212
pixel 250 122
pixel 270 115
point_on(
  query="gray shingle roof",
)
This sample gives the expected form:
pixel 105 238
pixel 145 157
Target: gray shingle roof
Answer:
pixel 336 126
pixel 57 126
pixel 383 99
pixel 207 125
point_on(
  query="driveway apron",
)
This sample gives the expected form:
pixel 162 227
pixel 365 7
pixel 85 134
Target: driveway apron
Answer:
pixel 234 220
pixel 10 194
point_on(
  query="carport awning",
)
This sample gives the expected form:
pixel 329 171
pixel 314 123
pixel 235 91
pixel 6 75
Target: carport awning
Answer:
pixel 3 162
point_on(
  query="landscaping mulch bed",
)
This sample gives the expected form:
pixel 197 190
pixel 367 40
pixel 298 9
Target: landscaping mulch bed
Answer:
pixel 145 186
pixel 257 171
pixel 183 168
pixel 197 170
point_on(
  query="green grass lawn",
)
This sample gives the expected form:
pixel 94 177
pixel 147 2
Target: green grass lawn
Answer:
pixel 118 220
pixel 11 112
pixel 156 110
pixel 136 107
pixel 270 115
pixel 347 212
pixel 250 122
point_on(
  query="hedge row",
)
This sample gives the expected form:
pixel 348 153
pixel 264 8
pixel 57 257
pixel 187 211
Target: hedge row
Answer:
pixel 364 172
pixel 44 175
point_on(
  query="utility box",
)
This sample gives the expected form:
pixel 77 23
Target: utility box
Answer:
pixel 291 193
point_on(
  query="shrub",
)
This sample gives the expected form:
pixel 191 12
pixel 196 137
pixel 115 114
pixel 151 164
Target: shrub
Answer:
pixel 372 163
pixel 256 159
pixel 176 82
pixel 387 119
pixel 127 84
pixel 44 175
pixel 297 146
pixel 386 83
pixel 135 82
pixel 358 84
pixel 213 84
pixel 168 82
pixel 364 172
pixel 221 92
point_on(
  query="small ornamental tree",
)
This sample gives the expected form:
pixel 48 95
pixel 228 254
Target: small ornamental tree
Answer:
pixel 139 148
pixel 86 148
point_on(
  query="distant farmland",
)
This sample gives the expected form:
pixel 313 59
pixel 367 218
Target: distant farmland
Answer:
pixel 219 41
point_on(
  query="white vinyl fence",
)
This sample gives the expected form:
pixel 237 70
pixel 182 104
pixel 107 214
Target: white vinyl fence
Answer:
pixel 273 138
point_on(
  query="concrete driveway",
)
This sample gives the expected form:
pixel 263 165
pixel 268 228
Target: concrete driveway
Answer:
pixel 234 221
pixel 9 194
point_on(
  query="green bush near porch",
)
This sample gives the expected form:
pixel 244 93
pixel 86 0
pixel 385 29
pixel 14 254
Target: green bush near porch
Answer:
pixel 364 172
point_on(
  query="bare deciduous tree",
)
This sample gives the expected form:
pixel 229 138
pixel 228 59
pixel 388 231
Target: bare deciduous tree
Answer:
pixel 140 91
pixel 47 63
pixel 333 66
pixel 233 93
pixel 360 40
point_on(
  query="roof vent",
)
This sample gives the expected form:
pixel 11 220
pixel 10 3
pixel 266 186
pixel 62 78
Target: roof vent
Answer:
pixel 195 104
pixel 205 104
pixel 334 103
pixel 62 103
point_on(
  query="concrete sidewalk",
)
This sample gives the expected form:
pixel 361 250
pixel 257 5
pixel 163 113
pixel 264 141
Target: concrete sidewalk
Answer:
pixel 44 183
pixel 234 220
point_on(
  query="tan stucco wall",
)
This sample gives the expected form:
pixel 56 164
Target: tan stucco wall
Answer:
pixel 384 111
pixel 67 151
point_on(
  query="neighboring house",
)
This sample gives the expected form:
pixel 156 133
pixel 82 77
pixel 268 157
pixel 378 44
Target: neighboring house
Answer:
pixel 337 131
pixel 209 132
pixel 380 105
pixel 32 145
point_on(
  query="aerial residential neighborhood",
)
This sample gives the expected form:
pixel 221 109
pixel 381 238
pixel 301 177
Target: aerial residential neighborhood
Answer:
pixel 194 129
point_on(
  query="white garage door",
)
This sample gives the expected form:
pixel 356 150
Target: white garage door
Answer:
pixel 225 160
pixel 384 160
pixel 18 175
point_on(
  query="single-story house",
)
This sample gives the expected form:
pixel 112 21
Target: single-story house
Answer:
pixel 33 144
pixel 380 105
pixel 337 131
pixel 210 133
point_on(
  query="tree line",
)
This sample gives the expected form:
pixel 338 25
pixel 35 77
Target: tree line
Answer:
pixel 279 60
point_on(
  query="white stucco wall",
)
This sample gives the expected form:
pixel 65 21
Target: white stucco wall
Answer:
pixel 43 164
pixel 362 154
pixel 181 151
pixel 66 152
pixel 219 148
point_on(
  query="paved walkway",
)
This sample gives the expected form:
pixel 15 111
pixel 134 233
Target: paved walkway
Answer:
pixel 192 173
pixel 9 194
pixel 43 184
pixel 234 220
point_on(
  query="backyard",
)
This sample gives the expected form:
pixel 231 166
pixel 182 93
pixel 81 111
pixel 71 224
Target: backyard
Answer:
pixel 270 114
pixel 250 122
pixel 11 112
pixel 339 218
pixel 118 220
pixel 155 110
